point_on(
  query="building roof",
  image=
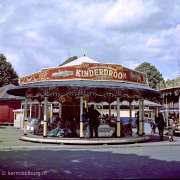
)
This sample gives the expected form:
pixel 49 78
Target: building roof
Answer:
pixel 79 61
pixel 134 103
pixel 5 96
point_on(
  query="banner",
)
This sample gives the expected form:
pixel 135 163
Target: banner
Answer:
pixel 86 71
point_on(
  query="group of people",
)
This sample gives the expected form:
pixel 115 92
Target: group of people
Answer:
pixel 91 122
pixel 160 124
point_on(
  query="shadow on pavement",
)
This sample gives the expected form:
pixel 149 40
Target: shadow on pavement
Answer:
pixel 83 165
pixel 156 138
pixel 3 127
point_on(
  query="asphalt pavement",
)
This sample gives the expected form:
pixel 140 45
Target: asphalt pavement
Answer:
pixel 25 160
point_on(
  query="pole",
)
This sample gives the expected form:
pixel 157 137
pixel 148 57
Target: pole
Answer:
pixel 118 123
pixel 51 112
pixel 167 113
pixel 25 116
pixel 39 110
pixel 30 110
pixel 141 114
pixel 60 110
pixel 45 117
pixel 81 113
pixel 130 110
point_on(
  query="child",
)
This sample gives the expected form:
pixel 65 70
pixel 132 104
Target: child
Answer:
pixel 153 127
pixel 171 129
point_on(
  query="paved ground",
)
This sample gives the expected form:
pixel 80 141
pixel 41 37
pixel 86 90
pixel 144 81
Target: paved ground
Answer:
pixel 25 160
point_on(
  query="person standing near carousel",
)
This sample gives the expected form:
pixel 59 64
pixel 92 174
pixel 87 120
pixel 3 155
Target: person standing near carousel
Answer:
pixel 160 124
pixel 93 121
pixel 171 128
pixel 85 119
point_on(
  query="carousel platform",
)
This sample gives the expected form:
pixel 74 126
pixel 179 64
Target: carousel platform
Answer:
pixel 85 141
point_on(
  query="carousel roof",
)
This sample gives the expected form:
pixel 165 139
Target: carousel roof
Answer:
pixel 79 61
pixel 87 74
pixel 5 96
pixel 83 83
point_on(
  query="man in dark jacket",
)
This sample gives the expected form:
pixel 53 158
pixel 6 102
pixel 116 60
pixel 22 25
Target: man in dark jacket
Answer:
pixel 93 121
pixel 160 124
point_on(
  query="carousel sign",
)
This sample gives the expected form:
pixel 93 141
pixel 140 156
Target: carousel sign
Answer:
pixel 100 72
pixel 86 71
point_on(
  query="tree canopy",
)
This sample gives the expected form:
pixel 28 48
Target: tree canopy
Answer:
pixel 155 79
pixel 69 60
pixel 7 72
pixel 173 82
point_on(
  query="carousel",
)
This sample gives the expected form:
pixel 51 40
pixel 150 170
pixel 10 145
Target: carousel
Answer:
pixel 56 98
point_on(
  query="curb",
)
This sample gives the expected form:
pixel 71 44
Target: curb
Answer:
pixel 79 141
pixel 80 147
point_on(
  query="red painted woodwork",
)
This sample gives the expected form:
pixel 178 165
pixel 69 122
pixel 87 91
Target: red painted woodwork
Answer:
pixel 6 110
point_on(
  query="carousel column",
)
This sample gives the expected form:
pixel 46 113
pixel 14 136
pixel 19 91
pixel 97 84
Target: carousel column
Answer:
pixel 35 111
pixel 81 120
pixel 118 123
pixel 167 123
pixel 130 117
pixel 39 110
pixel 130 111
pixel 86 104
pixel 60 110
pixel 25 116
pixel 45 117
pixel 51 112
pixel 141 117
pixel 30 110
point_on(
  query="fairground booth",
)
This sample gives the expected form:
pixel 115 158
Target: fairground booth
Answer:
pixel 171 104
pixel 56 97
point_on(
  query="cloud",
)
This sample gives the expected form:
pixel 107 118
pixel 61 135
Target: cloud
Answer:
pixel 35 34
pixel 128 13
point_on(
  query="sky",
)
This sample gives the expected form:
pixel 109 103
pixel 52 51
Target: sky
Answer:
pixel 36 34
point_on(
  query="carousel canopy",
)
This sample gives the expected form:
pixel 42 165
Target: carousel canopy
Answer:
pixel 84 76
pixel 5 96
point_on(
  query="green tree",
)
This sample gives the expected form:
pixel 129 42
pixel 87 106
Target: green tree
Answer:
pixel 7 72
pixel 69 60
pixel 173 82
pixel 155 79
